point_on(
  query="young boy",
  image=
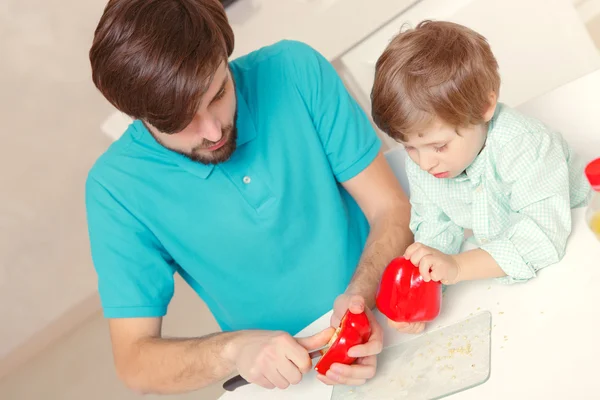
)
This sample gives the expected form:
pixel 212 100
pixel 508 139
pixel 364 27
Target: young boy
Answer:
pixel 473 163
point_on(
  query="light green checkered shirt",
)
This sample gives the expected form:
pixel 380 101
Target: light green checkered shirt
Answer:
pixel 516 197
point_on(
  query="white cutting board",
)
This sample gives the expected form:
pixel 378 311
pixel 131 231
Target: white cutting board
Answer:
pixel 430 366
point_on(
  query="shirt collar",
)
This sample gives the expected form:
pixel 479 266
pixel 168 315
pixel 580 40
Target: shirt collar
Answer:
pixel 246 133
pixel 245 125
pixel 477 167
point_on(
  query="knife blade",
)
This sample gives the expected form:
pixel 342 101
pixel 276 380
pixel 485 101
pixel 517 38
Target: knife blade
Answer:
pixel 237 381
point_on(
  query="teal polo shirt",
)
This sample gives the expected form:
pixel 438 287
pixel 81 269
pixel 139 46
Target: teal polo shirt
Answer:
pixel 267 239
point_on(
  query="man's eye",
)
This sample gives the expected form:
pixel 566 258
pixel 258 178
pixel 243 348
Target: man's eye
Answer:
pixel 219 95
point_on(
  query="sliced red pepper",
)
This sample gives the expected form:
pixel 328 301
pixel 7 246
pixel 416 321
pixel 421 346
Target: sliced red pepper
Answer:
pixel 354 329
pixel 403 295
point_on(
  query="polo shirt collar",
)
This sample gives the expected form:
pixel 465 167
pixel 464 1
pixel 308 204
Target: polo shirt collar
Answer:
pixel 246 133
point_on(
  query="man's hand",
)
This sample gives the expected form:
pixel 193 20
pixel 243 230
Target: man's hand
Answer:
pixel 275 359
pixel 407 327
pixel 433 264
pixel 366 354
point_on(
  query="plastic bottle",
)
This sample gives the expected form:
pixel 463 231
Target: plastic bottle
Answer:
pixel 592 171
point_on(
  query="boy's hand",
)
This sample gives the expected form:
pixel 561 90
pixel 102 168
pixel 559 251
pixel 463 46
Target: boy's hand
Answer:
pixel 407 327
pixel 433 264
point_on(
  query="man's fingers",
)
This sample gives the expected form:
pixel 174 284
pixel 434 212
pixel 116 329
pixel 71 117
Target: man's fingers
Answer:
pixel 301 360
pixel 352 375
pixel 418 327
pixel 407 327
pixel 325 380
pixel 335 320
pixel 276 379
pixel 317 340
pixel 375 343
pixel 371 360
pixel 290 372
pixel 354 303
pixel 299 354
pixel 344 380
pixel 354 371
pixel 339 308
pixel 357 304
pixel 370 348
pixel 264 382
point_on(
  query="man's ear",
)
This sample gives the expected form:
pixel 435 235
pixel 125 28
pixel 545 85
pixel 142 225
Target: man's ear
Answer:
pixel 493 102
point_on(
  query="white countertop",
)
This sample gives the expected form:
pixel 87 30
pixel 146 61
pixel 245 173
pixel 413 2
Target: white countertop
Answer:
pixel 552 348
pixel 330 26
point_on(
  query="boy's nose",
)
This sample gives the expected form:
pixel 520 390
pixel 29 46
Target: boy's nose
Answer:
pixel 427 162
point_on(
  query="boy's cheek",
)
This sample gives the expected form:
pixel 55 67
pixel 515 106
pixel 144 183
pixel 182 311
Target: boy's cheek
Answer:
pixel 413 157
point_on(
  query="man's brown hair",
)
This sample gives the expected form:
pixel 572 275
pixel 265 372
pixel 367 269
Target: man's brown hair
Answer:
pixel 154 59
pixel 438 69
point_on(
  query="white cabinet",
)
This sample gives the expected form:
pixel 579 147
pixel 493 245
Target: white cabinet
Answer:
pixel 539 44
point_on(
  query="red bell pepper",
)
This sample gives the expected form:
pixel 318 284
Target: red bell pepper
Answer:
pixel 403 295
pixel 354 329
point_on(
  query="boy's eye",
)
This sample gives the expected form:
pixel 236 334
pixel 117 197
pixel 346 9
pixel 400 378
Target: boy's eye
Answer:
pixel 441 148
pixel 408 148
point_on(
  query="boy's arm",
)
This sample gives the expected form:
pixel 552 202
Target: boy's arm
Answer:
pixel 431 227
pixel 539 218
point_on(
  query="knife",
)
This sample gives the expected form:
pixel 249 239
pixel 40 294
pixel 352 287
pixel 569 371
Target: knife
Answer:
pixel 237 381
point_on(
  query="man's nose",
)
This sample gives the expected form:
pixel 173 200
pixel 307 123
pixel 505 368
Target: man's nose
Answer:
pixel 210 129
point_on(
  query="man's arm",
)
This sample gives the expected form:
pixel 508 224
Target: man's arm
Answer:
pixel 350 143
pixel 386 206
pixel 148 363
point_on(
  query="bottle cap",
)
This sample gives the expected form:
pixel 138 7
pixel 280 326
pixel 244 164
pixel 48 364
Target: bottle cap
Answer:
pixel 592 172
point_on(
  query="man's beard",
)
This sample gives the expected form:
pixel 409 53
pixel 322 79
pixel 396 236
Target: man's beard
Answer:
pixel 201 155
pixel 222 154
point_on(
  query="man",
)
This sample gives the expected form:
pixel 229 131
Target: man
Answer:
pixel 260 181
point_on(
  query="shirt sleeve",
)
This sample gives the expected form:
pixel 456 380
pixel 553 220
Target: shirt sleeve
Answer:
pixel 135 275
pixel 345 131
pixel 535 170
pixel 428 222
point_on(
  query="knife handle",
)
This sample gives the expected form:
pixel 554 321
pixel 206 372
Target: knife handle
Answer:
pixel 231 384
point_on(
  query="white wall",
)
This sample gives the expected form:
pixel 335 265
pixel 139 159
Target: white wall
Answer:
pixel 50 113
pixel 80 365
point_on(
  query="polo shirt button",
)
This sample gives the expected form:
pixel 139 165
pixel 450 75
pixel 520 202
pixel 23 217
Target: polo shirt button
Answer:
pixel 247 180
pixel 485 241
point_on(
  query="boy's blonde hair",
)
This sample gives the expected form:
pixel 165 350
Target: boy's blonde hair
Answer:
pixel 438 69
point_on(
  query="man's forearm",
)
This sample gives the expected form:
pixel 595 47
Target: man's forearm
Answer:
pixel 389 237
pixel 166 366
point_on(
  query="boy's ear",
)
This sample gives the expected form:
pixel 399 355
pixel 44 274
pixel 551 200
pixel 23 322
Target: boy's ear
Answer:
pixel 493 102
